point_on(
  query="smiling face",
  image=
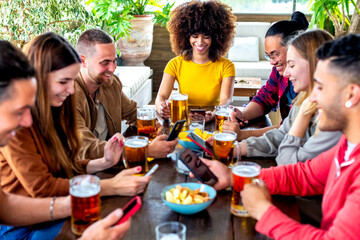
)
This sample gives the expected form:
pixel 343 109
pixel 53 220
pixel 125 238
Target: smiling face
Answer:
pixel 101 64
pixel 297 70
pixel 200 44
pixel 61 84
pixel 277 53
pixel 328 93
pixel 15 112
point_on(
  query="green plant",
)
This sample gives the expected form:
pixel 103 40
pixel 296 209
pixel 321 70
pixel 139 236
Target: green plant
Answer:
pixel 115 15
pixel 21 20
pixel 335 14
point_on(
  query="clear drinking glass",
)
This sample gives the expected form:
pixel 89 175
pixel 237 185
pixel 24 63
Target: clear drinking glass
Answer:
pixel 170 231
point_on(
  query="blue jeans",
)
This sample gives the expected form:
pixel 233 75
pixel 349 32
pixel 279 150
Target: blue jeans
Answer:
pixel 40 231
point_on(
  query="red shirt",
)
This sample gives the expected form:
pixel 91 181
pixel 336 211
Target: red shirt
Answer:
pixel 327 174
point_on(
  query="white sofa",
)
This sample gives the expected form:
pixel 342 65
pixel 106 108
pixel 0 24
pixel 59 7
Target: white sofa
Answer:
pixel 247 52
pixel 137 85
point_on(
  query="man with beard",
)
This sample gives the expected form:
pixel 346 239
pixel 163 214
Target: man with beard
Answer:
pixel 17 96
pixel 335 173
pixel 100 101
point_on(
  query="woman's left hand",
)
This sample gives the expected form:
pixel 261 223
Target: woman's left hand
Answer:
pixel 113 149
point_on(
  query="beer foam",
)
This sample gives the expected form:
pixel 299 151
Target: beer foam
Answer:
pixel 84 190
pixel 178 97
pixel 136 143
pixel 223 113
pixel 224 137
pixel 246 171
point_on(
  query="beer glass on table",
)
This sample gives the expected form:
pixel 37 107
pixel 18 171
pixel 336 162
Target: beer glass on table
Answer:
pixel 223 145
pixel 146 122
pixel 135 153
pixel 222 113
pixel 179 107
pixel 85 202
pixel 243 173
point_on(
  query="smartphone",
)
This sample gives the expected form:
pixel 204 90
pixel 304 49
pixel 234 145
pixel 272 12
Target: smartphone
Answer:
pixel 176 130
pixel 197 167
pixel 198 112
pixel 201 142
pixel 152 170
pixel 130 209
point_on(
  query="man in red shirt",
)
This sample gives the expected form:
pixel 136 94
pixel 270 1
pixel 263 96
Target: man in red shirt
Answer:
pixel 335 173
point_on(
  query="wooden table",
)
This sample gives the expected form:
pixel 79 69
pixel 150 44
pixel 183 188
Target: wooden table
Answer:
pixel 216 222
pixel 246 87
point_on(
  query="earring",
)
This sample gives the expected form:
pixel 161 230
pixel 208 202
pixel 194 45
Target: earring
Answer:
pixel 348 104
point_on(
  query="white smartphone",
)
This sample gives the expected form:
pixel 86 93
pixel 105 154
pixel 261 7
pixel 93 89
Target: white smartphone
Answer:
pixel 152 170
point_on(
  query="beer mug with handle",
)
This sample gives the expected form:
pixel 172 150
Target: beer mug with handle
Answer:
pixel 243 173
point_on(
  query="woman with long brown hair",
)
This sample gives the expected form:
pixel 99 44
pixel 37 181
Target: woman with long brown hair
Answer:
pixel 39 160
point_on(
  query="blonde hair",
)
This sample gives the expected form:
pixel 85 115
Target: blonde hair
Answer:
pixel 306 44
pixel 50 52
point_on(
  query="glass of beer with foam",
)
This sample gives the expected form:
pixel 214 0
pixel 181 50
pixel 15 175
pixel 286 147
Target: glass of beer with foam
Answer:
pixel 222 113
pixel 85 202
pixel 146 122
pixel 243 173
pixel 223 145
pixel 135 154
pixel 179 107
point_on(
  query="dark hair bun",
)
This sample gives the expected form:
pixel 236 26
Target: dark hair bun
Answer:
pixel 300 19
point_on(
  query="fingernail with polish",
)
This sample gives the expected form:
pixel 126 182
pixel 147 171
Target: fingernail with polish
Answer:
pixel 138 169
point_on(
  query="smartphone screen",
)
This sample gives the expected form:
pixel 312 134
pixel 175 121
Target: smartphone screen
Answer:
pixel 176 130
pixel 198 112
pixel 130 209
pixel 201 142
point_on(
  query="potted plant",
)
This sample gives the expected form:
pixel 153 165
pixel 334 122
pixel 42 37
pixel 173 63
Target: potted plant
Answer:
pixel 131 24
pixel 335 16
pixel 23 20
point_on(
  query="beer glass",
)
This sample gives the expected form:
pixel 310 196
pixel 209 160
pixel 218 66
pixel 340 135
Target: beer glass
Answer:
pixel 243 173
pixel 222 113
pixel 170 231
pixel 223 145
pixel 85 202
pixel 135 153
pixel 146 120
pixel 179 107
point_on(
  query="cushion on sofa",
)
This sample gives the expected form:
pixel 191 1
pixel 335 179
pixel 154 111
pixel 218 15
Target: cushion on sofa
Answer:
pixel 244 49
pixel 132 78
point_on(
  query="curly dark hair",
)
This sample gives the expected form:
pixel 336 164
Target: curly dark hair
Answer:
pixel 212 18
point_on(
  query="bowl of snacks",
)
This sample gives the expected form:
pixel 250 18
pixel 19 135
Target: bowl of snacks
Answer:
pixel 188 198
pixel 185 142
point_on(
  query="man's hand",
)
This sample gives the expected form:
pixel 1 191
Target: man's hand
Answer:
pixel 105 229
pixel 113 150
pixel 221 171
pixel 126 184
pixel 165 109
pixel 256 199
pixel 160 148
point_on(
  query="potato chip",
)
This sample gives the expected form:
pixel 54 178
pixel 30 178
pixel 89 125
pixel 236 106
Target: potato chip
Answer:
pixel 184 195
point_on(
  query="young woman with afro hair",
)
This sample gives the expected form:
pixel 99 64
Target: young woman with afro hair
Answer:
pixel 201 33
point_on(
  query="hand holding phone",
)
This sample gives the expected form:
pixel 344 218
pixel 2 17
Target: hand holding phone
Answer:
pixel 176 130
pixel 130 209
pixel 197 167
pixel 200 142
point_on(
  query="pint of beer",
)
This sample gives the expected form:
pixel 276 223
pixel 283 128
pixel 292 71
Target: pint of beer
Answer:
pixel 243 173
pixel 224 146
pixel 146 119
pixel 135 153
pixel 85 202
pixel 222 113
pixel 179 107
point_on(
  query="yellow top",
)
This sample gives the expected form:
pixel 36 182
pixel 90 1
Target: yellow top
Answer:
pixel 201 82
